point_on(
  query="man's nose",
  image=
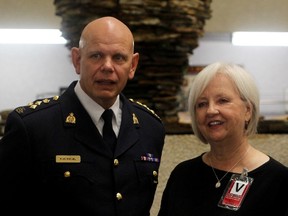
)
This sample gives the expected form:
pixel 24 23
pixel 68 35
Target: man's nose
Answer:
pixel 107 65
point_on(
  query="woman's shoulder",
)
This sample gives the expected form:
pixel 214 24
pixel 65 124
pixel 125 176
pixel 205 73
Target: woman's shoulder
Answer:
pixel 193 163
pixel 277 165
pixel 274 168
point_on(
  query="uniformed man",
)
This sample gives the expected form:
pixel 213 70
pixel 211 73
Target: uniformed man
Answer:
pixel 53 159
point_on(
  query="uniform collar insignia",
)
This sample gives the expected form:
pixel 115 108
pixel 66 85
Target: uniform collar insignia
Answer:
pixel 71 118
pixel 135 119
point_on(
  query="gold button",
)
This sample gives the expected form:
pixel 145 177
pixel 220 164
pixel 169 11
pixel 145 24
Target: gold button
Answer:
pixel 67 174
pixel 116 162
pixel 119 196
pixel 155 173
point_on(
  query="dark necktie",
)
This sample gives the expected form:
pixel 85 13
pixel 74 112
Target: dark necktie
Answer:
pixel 109 136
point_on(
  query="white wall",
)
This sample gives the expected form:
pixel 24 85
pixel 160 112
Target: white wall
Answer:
pixel 31 71
pixel 269 66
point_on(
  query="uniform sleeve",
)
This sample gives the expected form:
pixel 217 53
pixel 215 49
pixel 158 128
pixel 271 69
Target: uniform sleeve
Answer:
pixel 14 160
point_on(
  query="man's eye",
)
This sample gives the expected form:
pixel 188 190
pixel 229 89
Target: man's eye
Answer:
pixel 119 57
pixel 96 56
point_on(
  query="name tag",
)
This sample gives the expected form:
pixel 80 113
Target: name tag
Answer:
pixel 68 158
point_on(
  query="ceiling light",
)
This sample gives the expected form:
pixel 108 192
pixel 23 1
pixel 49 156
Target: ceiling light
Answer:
pixel 31 36
pixel 260 38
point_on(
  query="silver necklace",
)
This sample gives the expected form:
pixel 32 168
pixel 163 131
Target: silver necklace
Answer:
pixel 218 183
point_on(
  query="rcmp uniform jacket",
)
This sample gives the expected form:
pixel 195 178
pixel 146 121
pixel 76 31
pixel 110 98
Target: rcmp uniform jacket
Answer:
pixel 53 159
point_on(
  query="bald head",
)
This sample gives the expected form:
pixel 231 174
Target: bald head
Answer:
pixel 106 30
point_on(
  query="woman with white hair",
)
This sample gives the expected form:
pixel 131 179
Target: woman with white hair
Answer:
pixel 233 177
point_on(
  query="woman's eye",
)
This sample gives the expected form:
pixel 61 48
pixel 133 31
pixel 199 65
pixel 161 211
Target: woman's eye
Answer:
pixel 223 100
pixel 201 104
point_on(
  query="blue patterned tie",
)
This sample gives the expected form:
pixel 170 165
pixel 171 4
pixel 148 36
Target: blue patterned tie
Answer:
pixel 109 136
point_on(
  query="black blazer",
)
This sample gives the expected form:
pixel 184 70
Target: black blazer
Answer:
pixel 52 158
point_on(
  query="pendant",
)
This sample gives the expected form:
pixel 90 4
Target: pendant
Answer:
pixel 218 184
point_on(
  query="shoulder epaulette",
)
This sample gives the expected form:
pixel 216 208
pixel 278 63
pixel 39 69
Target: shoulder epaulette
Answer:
pixel 36 105
pixel 145 107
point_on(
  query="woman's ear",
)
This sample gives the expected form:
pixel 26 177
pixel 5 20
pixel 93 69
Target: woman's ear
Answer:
pixel 249 110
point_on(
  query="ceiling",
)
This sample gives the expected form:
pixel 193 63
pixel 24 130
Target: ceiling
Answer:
pixel 227 15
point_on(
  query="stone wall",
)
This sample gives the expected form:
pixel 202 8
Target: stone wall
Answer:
pixel 165 33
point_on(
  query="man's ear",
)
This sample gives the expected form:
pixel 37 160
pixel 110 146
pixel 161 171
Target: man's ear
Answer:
pixel 134 65
pixel 75 55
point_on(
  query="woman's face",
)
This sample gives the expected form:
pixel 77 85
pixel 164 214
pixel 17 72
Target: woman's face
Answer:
pixel 220 112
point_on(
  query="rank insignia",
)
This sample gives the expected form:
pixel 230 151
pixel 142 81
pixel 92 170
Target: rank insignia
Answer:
pixel 46 100
pixel 38 102
pixel 33 106
pixel 20 109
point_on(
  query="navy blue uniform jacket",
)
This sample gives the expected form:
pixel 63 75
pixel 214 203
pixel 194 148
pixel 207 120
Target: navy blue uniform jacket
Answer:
pixel 53 160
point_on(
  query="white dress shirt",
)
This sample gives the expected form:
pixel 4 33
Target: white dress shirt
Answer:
pixel 95 110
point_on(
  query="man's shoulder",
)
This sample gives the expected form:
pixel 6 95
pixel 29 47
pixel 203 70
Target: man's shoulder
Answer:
pixel 142 107
pixel 36 106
